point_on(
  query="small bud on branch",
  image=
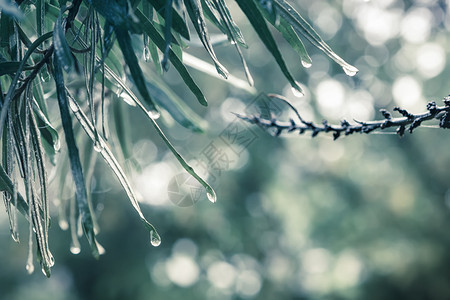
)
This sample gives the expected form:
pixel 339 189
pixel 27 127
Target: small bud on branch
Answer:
pixel 407 121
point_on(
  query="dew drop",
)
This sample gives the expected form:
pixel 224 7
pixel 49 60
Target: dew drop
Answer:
pixel 277 19
pixel 146 54
pixel 45 271
pixel 297 93
pixel 45 75
pixel 154 114
pixel 119 92
pixel 15 236
pixel 100 248
pixel 211 195
pixel 125 97
pixel 98 146
pixel 306 64
pixel 52 260
pixel 155 239
pixel 30 267
pixel 63 224
pixel 75 250
pixel 74 106
pixel 350 71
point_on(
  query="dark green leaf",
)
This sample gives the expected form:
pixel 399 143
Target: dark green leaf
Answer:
pixel 233 36
pixel 6 185
pixel 285 28
pixel 259 24
pixel 123 37
pixel 7 30
pixel 223 21
pixel 287 12
pixel 11 67
pixel 178 24
pixel 195 11
pixel 49 135
pixel 12 87
pixel 75 164
pixel 62 50
pixel 153 33
pixel 167 34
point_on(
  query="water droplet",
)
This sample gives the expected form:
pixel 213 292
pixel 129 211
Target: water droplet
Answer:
pixel 154 114
pixel 146 53
pixel 15 236
pixel 45 271
pixel 75 249
pixel 100 248
pixel 297 92
pixel 127 98
pixel 277 19
pixel 30 267
pixel 119 92
pixel 155 239
pixel 306 64
pixel 73 106
pixel 45 75
pixel 211 195
pixel 98 146
pixel 63 224
pixel 52 260
pixel 350 71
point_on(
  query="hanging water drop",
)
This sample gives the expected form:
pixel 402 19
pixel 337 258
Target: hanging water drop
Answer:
pixel 297 90
pixel 45 271
pixel 350 71
pixel 51 260
pixel 277 19
pixel 297 93
pixel 154 114
pixel 74 106
pixel 128 100
pixel 146 53
pixel 45 75
pixel 98 146
pixel 15 236
pixel 119 92
pixel 100 248
pixel 30 267
pixel 63 224
pixel 306 64
pixel 155 239
pixel 75 249
pixel 211 195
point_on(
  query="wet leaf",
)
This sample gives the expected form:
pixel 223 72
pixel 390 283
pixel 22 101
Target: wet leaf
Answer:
pixel 195 11
pixel 75 164
pixel 62 50
pixel 259 24
pixel 153 33
pixel 288 13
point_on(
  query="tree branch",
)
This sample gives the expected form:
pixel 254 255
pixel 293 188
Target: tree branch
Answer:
pixel 408 121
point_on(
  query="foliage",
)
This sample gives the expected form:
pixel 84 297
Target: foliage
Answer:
pixel 80 45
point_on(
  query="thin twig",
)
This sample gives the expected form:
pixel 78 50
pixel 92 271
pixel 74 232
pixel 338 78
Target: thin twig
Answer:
pixel 408 121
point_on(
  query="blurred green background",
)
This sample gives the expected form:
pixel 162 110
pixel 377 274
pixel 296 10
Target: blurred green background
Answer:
pixel 363 217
